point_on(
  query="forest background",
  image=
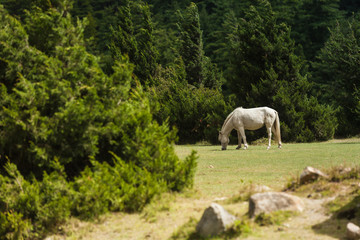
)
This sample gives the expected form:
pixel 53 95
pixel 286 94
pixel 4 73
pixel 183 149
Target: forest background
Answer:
pixel 205 58
pixel 95 93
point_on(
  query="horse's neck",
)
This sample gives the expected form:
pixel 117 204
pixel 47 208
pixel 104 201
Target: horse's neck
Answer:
pixel 227 126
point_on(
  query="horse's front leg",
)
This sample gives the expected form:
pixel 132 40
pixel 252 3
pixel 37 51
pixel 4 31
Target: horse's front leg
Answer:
pixel 242 132
pixel 269 135
pixel 239 140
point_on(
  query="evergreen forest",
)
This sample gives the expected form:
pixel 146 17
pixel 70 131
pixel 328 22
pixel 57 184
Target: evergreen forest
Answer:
pixel 95 93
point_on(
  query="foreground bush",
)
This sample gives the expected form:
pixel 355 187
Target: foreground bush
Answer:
pixel 80 142
pixel 33 208
pixel 57 103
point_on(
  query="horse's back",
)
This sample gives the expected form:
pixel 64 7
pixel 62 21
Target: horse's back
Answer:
pixel 253 118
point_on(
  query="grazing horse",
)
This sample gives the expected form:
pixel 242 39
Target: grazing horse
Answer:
pixel 243 119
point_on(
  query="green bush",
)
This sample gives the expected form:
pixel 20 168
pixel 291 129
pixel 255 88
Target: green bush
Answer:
pixel 30 208
pixel 13 226
pixel 121 187
pixel 33 208
pixel 63 106
pixel 81 142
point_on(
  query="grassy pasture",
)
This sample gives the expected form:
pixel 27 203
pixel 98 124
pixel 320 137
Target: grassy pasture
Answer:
pixel 221 173
pixel 224 174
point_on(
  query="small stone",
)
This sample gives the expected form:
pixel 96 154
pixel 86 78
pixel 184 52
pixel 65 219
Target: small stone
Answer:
pixel 352 231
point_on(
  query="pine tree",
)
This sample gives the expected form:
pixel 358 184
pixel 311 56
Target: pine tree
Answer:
pixel 200 71
pixel 147 54
pixel 191 48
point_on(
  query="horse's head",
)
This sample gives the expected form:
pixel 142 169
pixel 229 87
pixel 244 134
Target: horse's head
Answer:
pixel 224 140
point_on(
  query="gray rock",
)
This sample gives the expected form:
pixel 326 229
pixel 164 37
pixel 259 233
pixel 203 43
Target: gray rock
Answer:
pixel 352 231
pixel 311 174
pixel 214 221
pixel 274 201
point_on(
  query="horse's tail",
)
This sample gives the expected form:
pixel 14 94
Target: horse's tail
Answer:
pixel 277 128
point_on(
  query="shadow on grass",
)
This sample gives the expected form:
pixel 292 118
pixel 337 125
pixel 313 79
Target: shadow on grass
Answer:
pixel 228 149
pixel 336 225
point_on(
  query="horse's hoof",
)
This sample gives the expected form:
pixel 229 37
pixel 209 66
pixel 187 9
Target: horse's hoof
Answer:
pixel 238 148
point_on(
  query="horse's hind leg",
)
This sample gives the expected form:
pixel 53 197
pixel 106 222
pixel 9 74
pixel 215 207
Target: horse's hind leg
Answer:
pixel 239 140
pixel 269 134
pixel 276 136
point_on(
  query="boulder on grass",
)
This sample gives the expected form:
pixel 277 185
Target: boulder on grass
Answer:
pixel 214 221
pixel 310 174
pixel 274 201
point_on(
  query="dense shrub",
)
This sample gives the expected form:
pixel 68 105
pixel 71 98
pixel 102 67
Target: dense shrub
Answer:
pixel 31 207
pixel 64 106
pixel 81 142
pixel 121 186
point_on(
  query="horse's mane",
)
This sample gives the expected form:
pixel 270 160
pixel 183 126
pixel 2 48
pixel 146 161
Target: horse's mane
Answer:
pixel 227 118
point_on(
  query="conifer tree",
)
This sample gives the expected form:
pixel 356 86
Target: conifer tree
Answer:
pixel 199 69
pixel 191 48
pixel 131 33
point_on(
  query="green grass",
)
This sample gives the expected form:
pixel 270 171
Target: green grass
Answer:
pixel 222 173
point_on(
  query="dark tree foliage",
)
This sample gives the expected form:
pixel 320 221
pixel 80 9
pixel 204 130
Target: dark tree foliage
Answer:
pixel 337 74
pixel 309 21
pixel 350 6
pixel 18 7
pixel 264 71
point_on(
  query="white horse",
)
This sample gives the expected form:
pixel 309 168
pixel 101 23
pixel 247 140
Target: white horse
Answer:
pixel 243 119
